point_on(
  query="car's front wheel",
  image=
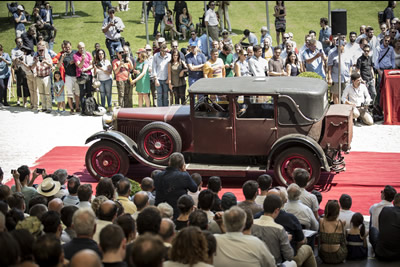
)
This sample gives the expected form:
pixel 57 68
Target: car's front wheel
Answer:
pixel 297 157
pixel 157 141
pixel 105 158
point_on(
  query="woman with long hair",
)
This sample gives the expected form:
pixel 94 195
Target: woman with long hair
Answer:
pixel 142 80
pixel 357 238
pixel 185 20
pixel 333 242
pixel 242 65
pixel 280 21
pixel 292 65
pixel 176 77
pixel 170 25
pixel 103 70
pixel 189 248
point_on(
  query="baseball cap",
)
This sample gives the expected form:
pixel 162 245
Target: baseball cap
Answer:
pixel 141 50
pixel 148 47
pixel 20 8
pixel 161 39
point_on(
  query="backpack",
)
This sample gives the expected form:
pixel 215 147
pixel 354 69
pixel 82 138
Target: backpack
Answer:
pixel 89 105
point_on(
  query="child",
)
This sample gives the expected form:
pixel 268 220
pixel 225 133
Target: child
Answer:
pixel 357 238
pixel 199 181
pixel 59 91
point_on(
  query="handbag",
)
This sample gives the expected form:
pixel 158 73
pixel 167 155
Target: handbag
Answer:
pixel 83 78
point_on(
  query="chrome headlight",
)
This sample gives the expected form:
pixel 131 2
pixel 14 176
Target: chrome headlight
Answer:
pixel 107 121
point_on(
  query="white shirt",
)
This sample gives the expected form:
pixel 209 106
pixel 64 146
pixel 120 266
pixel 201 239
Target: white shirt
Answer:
pixel 375 210
pixel 112 33
pixel 260 200
pixel 356 96
pixel 303 213
pixel 101 75
pixel 309 200
pixel 160 66
pixel 258 66
pixel 211 17
pixel 345 216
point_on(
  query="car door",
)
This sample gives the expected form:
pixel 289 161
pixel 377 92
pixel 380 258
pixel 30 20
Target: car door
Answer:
pixel 255 124
pixel 212 129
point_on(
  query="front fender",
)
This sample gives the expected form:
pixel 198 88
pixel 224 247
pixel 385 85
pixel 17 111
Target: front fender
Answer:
pixel 126 143
pixel 296 140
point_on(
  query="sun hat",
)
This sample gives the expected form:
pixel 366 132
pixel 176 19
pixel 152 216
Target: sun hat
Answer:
pixel 49 187
pixel 148 47
pixel 141 50
pixel 161 40
pixel 18 53
pixel 20 8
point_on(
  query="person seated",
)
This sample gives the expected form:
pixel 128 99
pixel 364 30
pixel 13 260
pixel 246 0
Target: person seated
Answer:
pixel 185 20
pixel 186 207
pixel 356 94
pixel 357 238
pixel 250 191
pixel 169 24
pixel 345 214
pixel 252 38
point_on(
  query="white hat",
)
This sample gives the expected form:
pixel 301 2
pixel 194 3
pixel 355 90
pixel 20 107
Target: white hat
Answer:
pixel 18 54
pixel 20 8
pixel 263 28
pixel 161 40
pixel 147 47
pixel 49 187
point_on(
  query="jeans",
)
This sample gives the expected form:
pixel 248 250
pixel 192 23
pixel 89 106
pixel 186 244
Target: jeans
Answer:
pixel 112 46
pixel 105 91
pixel 157 21
pixel 106 6
pixel 3 90
pixel 373 236
pixel 85 90
pixel 371 89
pixel 162 93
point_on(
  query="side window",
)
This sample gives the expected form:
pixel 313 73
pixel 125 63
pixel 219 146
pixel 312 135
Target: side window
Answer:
pixel 255 107
pixel 211 106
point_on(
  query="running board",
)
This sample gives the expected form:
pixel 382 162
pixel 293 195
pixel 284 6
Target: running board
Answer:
pixel 223 170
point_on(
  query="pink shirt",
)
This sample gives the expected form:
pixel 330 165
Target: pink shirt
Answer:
pixel 86 64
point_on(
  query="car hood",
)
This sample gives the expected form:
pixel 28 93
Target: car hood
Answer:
pixel 155 113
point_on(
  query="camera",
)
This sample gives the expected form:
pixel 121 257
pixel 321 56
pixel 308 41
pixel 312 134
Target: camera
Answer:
pixel 21 58
pixel 125 58
pixel 99 65
pixel 40 58
pixel 39 171
pixel 13 171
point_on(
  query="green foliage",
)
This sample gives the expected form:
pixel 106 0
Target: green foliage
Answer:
pixel 309 74
pixel 135 187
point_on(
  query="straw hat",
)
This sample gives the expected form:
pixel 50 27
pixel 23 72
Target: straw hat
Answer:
pixel 49 187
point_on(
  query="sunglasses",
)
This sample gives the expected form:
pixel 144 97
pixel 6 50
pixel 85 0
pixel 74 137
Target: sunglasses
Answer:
pixel 174 46
pixel 193 34
pixel 225 33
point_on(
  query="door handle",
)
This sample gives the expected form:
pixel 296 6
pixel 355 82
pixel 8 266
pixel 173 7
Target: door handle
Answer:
pixel 228 128
pixel 274 129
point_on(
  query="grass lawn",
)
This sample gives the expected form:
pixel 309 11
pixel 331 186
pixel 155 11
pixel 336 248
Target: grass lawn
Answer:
pixel 86 27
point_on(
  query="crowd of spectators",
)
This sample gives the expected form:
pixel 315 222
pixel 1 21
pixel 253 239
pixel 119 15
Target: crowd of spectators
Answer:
pixel 61 220
pixel 160 74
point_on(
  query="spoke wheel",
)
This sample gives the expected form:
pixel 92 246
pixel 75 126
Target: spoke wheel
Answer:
pixel 157 141
pixel 105 158
pixel 297 157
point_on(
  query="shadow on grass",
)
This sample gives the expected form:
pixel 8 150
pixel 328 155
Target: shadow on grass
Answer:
pixel 78 14
pixel 6 23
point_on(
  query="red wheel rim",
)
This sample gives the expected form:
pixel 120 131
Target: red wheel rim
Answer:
pixel 158 144
pixel 106 162
pixel 290 164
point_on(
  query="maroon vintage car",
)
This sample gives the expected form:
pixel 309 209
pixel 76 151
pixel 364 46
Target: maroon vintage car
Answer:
pixel 231 126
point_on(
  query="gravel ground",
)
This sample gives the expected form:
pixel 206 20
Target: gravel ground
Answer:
pixel 26 136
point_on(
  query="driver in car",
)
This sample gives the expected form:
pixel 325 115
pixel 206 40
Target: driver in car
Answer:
pixel 356 94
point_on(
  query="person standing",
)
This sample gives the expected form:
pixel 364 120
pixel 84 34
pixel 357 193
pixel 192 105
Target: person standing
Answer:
pixel 103 70
pixel 211 21
pixel 176 77
pixel 384 60
pixel 26 64
pixel 160 74
pixel 227 58
pixel 280 20
pixel 325 34
pixel 43 64
pixel 214 68
pixel 223 14
pixel 142 79
pixel 195 62
pixel 366 69
pixel 122 66
pixel 158 13
pixel 179 6
pixel 19 76
pixel 72 8
pixel 112 28
pixel 242 65
pixel 388 13
pixel 5 62
pixel 313 59
pixel 276 64
pixel 258 65
pixel 19 19
pixel 83 63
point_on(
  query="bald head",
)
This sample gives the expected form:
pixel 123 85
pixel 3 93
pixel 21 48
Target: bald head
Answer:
pixel 108 210
pixel 56 204
pixel 147 184
pixel 141 200
pixel 167 230
pixel 294 192
pixel 85 258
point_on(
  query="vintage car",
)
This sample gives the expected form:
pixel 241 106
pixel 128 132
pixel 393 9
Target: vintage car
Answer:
pixel 232 126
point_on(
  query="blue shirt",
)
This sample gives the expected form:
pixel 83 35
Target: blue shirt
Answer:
pixel 324 35
pixel 346 63
pixel 252 39
pixel 159 7
pixel 203 42
pixel 19 25
pixel 317 65
pixel 4 69
pixel 387 61
pixel 195 61
pixel 195 42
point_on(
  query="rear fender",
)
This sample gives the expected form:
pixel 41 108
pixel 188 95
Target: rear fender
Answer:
pixel 292 140
pixel 125 142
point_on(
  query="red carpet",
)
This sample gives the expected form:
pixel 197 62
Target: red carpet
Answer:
pixel 366 175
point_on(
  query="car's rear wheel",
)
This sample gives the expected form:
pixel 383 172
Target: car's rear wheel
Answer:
pixel 157 141
pixel 105 158
pixel 297 157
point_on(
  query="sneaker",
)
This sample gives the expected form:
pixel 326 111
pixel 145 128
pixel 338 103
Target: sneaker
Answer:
pixel 18 103
pixel 48 111
pixel 44 110
pixel 72 112
pixel 66 13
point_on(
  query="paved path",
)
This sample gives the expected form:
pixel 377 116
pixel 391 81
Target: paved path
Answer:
pixel 26 136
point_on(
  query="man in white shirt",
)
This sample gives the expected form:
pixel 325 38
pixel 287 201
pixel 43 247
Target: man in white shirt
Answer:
pixel 301 177
pixel 112 28
pixel 345 214
pixel 351 47
pixel 387 196
pixel 160 75
pixel 356 94
pixel 234 249
pixel 211 21
pixel 257 64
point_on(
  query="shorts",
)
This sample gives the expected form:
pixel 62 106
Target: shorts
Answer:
pixel 71 86
pixel 335 88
